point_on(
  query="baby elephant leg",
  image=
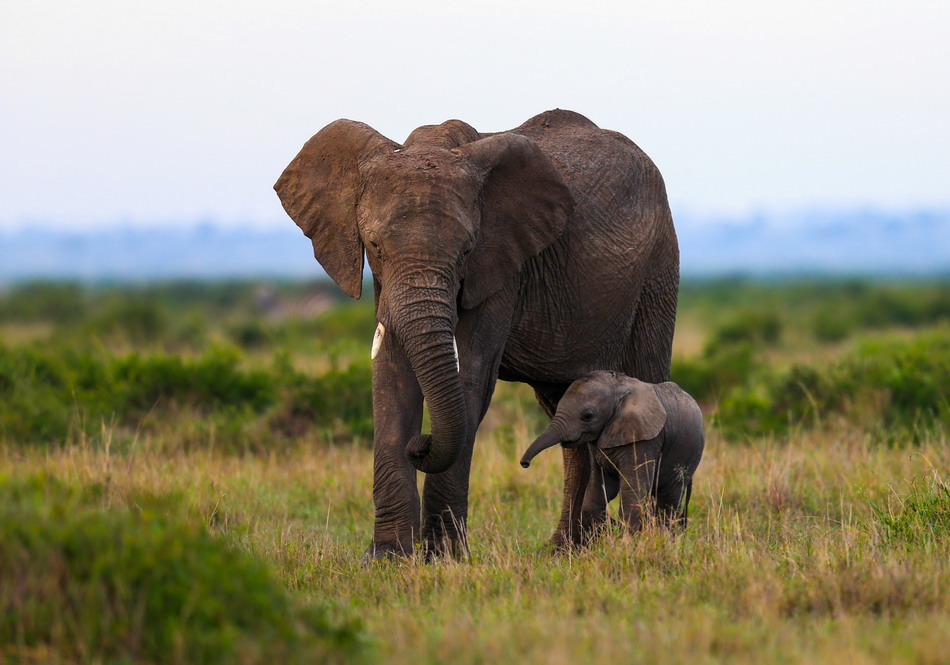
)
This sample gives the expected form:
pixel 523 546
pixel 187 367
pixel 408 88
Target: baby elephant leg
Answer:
pixel 570 529
pixel 636 464
pixel 603 487
pixel 672 500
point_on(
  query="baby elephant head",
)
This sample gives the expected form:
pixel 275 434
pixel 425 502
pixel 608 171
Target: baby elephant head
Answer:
pixel 607 407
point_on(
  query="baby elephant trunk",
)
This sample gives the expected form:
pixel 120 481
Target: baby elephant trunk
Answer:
pixel 552 436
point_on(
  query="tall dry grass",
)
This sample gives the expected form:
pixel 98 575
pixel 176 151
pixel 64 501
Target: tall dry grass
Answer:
pixel 791 554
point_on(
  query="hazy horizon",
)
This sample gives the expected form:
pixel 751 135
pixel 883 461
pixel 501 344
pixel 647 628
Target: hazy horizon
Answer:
pixel 859 241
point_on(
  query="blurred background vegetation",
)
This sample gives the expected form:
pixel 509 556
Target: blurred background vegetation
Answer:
pixel 250 366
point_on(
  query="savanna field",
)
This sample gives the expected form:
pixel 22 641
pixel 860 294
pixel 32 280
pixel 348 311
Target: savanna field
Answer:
pixel 186 477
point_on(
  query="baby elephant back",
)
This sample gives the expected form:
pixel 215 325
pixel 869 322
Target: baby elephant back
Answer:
pixel 683 435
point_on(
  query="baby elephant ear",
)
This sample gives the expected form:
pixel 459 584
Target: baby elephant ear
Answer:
pixel 639 416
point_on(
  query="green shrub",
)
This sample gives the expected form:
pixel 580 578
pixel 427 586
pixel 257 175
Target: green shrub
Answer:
pixel 830 324
pixel 753 326
pixel 719 368
pixel 49 392
pixel 35 395
pixel 84 582
pixel 340 402
pixel 213 381
pixel 251 334
pixel 899 384
pixel 54 302
pixel 137 321
pixel 350 321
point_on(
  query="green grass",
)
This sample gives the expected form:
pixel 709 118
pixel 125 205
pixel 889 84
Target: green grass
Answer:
pixel 826 547
pixel 232 452
pixel 84 581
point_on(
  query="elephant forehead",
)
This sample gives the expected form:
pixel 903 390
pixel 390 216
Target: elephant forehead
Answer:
pixel 580 388
pixel 408 191
pixel 421 166
pixel 590 381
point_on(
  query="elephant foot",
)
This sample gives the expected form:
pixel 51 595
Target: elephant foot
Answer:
pixel 580 536
pixel 434 549
pixel 385 551
pixel 563 542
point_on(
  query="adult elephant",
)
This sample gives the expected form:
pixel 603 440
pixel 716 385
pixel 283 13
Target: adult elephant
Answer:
pixel 534 255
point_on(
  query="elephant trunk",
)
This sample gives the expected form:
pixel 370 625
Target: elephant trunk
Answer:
pixel 555 433
pixel 426 329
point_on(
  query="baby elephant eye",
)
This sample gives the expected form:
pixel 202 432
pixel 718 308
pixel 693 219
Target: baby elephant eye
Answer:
pixel 587 417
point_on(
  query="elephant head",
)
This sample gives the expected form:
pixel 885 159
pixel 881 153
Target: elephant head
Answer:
pixel 444 220
pixel 609 408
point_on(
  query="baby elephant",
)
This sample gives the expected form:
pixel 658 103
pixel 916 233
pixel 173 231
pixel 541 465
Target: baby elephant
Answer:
pixel 647 440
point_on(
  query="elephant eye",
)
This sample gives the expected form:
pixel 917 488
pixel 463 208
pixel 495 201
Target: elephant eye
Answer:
pixel 587 417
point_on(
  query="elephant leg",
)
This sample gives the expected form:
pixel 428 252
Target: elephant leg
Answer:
pixel 480 336
pixel 672 498
pixel 603 486
pixel 637 464
pixel 445 509
pixel 570 530
pixel 397 411
pixel 579 475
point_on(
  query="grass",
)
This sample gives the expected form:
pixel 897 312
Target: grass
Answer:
pixel 821 547
pixel 824 540
pixel 83 580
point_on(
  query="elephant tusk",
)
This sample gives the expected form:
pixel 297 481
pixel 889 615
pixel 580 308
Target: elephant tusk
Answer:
pixel 377 340
pixel 455 349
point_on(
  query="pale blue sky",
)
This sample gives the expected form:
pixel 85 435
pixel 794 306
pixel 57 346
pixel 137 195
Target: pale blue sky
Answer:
pixel 181 110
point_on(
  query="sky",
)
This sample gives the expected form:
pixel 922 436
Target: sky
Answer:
pixel 172 112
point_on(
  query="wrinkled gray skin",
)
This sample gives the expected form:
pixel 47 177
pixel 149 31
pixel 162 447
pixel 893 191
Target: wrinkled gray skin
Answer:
pixel 547 250
pixel 647 440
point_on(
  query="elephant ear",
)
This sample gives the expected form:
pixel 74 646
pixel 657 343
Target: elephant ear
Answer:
pixel 524 208
pixel 319 190
pixel 639 416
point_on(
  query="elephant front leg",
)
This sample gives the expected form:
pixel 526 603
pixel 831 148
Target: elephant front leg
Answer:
pixel 445 509
pixel 480 335
pixel 397 413
pixel 571 529
pixel 603 487
pixel 637 465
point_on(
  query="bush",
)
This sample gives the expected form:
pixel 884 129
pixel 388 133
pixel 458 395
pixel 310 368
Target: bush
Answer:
pixel 829 324
pixel 706 378
pixel 357 321
pixel 54 302
pixel 250 334
pixel 728 358
pixel 213 381
pixel 47 395
pixel 83 582
pixel 131 321
pixel 898 384
pixel 340 402
pixel 752 326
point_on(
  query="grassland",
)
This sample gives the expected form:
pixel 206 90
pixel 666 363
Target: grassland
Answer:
pixel 819 527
